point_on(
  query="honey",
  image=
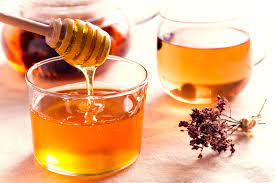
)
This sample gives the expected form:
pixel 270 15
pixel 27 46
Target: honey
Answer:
pixel 197 64
pixel 64 143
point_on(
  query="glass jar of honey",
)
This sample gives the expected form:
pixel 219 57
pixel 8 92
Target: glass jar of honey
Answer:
pixel 23 48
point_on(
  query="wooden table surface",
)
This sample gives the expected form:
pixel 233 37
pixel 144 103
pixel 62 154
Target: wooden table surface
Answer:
pixel 165 154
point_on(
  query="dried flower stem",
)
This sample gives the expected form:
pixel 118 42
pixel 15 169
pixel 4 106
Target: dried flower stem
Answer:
pixel 259 113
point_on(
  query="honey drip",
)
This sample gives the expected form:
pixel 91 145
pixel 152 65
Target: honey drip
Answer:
pixel 86 47
pixel 92 107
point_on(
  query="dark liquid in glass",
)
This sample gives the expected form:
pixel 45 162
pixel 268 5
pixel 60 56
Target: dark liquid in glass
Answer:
pixel 23 48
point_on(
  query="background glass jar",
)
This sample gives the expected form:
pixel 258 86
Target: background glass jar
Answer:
pixel 24 48
pixel 202 55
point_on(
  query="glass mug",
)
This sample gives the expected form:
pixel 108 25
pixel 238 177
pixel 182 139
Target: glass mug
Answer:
pixel 23 48
pixel 67 142
pixel 200 59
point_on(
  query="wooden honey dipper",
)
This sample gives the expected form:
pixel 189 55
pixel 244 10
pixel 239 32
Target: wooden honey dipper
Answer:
pixel 79 43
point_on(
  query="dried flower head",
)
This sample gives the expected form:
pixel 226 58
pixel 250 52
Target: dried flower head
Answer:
pixel 210 127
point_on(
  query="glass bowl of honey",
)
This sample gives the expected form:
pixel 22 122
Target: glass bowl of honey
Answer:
pixel 71 138
pixel 23 48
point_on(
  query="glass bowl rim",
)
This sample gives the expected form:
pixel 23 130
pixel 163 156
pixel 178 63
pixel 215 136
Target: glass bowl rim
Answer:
pixel 163 15
pixel 66 96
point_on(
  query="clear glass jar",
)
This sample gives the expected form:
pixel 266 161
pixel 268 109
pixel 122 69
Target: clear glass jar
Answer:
pixel 24 48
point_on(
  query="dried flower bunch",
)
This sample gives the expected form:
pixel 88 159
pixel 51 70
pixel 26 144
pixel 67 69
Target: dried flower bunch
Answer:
pixel 210 127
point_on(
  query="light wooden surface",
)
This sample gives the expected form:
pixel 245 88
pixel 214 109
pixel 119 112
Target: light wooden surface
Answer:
pixel 165 156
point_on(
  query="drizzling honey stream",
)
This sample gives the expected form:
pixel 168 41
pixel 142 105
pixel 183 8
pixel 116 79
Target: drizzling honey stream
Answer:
pixel 84 46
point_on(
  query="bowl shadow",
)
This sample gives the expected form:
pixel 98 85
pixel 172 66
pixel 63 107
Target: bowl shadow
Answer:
pixel 28 170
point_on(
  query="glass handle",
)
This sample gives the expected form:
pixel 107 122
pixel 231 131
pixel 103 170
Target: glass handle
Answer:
pixel 146 19
pixel 262 36
pixel 258 61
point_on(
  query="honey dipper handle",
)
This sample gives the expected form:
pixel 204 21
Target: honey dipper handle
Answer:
pixel 26 24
